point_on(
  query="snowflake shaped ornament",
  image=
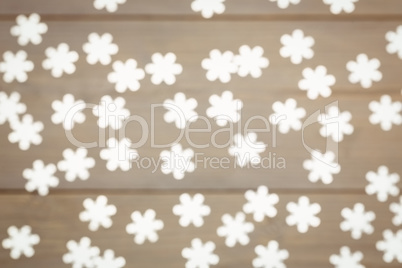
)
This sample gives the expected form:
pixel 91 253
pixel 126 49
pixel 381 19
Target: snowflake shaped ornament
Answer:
pixel 224 108
pixel 191 210
pixel 40 178
pixel 98 213
pixel 337 6
pixel 285 3
pixel 60 60
pixel 297 46
pixel 287 115
pixel 386 113
pixel 246 149
pixel 126 75
pixel 317 82
pixel 397 209
pixel 382 183
pixel 108 260
pixel 177 161
pixel 100 48
pixel 15 66
pixel 250 61
pixel 180 110
pixel 391 246
pixel 200 255
pixel 335 124
pixel 303 214
pixel 208 7
pixel 68 112
pixel 25 132
pixel 81 254
pixel 29 29
pixel 110 5
pixel 76 164
pixel 260 203
pixel 118 154
pixel 20 241
pixel 357 221
pixel 364 71
pixel 11 107
pixel 395 41
pixel 235 229
pixel 270 256
pixel 111 112
pixel 347 259
pixel 219 65
pixel 144 227
pixel 163 69
pixel 321 167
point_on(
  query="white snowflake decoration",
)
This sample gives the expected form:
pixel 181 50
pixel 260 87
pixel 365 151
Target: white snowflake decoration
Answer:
pixel 29 29
pixel 108 260
pixel 395 41
pixel 109 5
pixel 260 203
pixel 81 254
pixel 200 255
pixel 68 112
pixel 144 227
pixel 208 7
pixel 180 110
pixel 235 229
pixel 270 256
pixel 219 65
pixel 391 245
pixel 287 115
pixel 111 112
pixel 20 241
pixel 224 108
pixel 285 3
pixel 126 75
pixel 60 60
pixel 317 82
pixel 40 178
pixel 386 113
pixel 177 161
pixel 396 208
pixel 303 214
pixel 357 221
pixel 321 167
pixel 15 66
pixel 347 259
pixel 250 61
pixel 76 164
pixel 163 68
pixel 97 213
pixel 118 154
pixel 364 71
pixel 382 183
pixel 100 48
pixel 191 210
pixel 25 132
pixel 337 6
pixel 10 107
pixel 246 149
pixel 297 46
pixel 335 124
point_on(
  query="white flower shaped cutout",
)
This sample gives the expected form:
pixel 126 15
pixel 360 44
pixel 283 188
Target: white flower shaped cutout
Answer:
pixel 303 214
pixel 25 132
pixel 260 203
pixel 118 154
pixel 177 161
pixel 347 259
pixel 321 167
pixel 15 66
pixel 335 124
pixel 385 112
pixel 270 256
pixel 40 177
pixel 287 115
pixel 100 48
pixel 250 61
pixel 108 260
pixel 396 208
pixel 219 65
pixel 395 41
pixel 357 220
pixel 81 254
pixel 144 227
pixel 163 68
pixel 297 46
pixel 200 255
pixel 110 5
pixel 20 241
pixel 60 60
pixel 208 7
pixel 76 164
pixel 382 183
pixel 11 107
pixel 126 75
pixel 235 229
pixel 317 82
pixel 180 110
pixel 111 113
pixel 364 71
pixel 224 108
pixel 191 210
pixel 337 6
pixel 285 3
pixel 246 149
pixel 391 246
pixel 68 111
pixel 97 213
pixel 29 29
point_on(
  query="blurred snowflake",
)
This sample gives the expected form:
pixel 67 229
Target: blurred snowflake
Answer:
pixel 191 210
pixel 144 227
pixel 235 229
pixel 98 213
pixel 20 241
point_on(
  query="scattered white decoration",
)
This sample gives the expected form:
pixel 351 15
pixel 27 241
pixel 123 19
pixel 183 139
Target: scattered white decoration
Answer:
pixel 163 68
pixel 60 60
pixel 385 112
pixel 191 210
pixel 200 255
pixel 144 227
pixel 25 132
pixel 235 229
pixel 382 183
pixel 364 71
pixel 261 203
pixel 303 214
pixel 297 46
pixel 219 65
pixel 40 177
pixel 246 149
pixel 285 3
pixel 337 6
pixel 118 154
pixel 111 112
pixel 20 241
pixel 68 112
pixel 177 161
pixel 287 115
pixel 28 29
pixel 250 61
pixel 11 107
pixel 224 108
pixel 208 7
pixel 396 208
pixel 317 82
pixel 109 5
pixel 335 124
pixel 97 213
pixel 180 110
pixel 100 48
pixel 126 75
pixel 395 41
pixel 321 167
pixel 76 164
pixel 81 254
pixel 270 256
pixel 391 245
pixel 347 259
pixel 15 66
pixel 108 260
pixel 357 220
